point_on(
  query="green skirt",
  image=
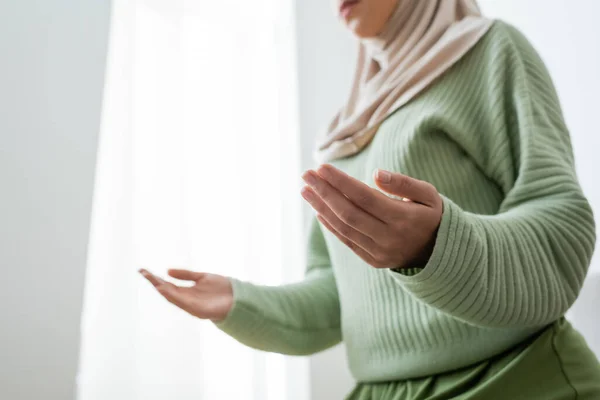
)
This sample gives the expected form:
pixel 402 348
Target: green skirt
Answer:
pixel 556 364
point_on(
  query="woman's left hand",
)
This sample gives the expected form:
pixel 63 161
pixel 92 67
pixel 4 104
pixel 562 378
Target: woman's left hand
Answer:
pixel 384 232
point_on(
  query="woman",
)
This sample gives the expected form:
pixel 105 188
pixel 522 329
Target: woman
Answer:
pixel 447 272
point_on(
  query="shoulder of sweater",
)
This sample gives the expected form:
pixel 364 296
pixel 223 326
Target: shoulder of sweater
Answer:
pixel 500 52
pixel 508 40
pixel 503 53
pixel 505 30
pixel 521 55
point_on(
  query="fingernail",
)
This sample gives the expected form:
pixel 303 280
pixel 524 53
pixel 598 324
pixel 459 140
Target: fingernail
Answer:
pixel 383 176
pixel 309 178
pixel 306 194
pixel 325 173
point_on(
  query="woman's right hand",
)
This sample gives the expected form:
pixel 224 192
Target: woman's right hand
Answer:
pixel 211 296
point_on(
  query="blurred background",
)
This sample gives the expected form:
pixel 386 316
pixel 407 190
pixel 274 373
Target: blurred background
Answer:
pixel 158 133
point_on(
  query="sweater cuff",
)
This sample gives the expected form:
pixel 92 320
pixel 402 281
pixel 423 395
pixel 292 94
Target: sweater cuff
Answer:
pixel 457 249
pixel 243 322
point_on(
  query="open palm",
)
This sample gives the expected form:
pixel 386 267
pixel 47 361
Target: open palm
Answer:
pixel 211 296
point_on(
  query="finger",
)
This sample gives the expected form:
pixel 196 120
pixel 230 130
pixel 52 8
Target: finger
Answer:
pixel 362 240
pixel 372 201
pixel 365 256
pixel 153 279
pixel 174 294
pixel 405 186
pixel 343 208
pixel 186 275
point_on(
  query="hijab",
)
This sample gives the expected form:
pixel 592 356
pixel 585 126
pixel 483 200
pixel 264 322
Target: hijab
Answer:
pixel 421 40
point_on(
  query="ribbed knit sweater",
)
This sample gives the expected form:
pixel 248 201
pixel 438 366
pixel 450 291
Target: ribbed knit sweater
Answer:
pixel 511 253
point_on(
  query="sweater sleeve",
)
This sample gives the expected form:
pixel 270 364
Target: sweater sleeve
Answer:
pixel 525 265
pixel 295 319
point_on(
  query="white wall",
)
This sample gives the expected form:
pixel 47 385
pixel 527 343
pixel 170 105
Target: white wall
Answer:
pixel 326 59
pixel 326 56
pixel 51 76
pixel 565 32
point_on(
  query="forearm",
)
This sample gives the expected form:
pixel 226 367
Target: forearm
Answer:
pixel 521 268
pixel 295 319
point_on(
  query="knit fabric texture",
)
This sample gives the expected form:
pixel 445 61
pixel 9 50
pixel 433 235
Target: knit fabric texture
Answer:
pixel 511 253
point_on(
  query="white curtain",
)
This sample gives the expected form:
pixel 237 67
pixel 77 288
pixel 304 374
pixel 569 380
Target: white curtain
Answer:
pixel 198 168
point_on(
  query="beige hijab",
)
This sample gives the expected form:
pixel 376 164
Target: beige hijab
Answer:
pixel 421 41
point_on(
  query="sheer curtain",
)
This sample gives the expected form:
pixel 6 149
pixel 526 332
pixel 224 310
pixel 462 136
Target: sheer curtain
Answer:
pixel 198 168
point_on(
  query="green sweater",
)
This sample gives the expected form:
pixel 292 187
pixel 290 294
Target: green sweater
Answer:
pixel 512 250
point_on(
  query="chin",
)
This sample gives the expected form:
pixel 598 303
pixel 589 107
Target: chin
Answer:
pixel 359 30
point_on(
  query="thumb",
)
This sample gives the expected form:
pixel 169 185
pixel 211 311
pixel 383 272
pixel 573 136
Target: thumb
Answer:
pixel 405 186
